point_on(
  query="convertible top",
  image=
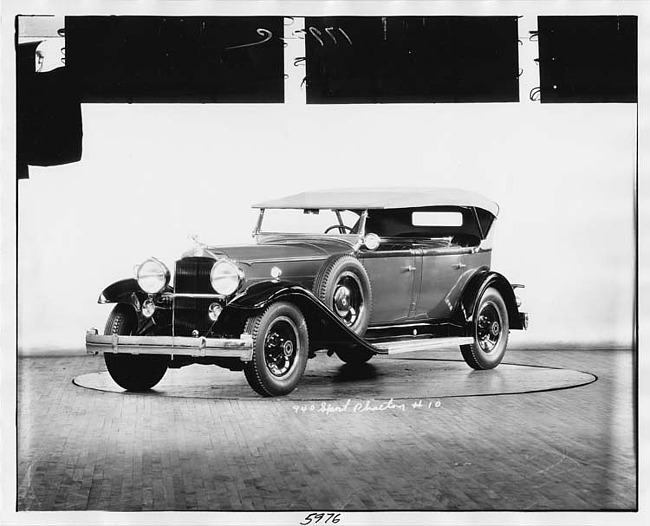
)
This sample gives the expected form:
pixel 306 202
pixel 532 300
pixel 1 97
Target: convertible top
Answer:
pixel 382 198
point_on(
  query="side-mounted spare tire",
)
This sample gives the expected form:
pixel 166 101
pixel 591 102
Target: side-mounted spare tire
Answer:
pixel 343 285
pixel 131 372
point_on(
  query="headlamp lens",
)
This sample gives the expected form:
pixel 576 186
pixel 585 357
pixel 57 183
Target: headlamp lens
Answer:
pixel 225 277
pixel 152 276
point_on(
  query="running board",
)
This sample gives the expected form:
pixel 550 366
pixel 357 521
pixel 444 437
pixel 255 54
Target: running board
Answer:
pixel 420 344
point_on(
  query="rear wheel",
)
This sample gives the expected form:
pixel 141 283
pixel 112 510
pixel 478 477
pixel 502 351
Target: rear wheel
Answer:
pixel 280 348
pixel 129 371
pixel 490 331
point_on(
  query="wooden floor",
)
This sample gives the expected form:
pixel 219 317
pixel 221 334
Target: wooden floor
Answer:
pixel 569 449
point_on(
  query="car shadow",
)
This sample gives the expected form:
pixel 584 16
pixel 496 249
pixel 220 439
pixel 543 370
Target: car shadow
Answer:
pixel 354 372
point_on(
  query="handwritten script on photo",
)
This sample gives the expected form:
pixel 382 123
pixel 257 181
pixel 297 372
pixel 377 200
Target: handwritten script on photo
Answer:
pixel 365 406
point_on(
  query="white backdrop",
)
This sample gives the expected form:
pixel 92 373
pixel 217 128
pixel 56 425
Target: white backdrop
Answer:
pixel 152 174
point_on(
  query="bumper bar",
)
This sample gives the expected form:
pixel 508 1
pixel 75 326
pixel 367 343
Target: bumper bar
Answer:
pixel 241 347
pixel 523 319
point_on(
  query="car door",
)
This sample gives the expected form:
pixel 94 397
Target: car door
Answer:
pixel 449 248
pixel 391 269
pixel 444 274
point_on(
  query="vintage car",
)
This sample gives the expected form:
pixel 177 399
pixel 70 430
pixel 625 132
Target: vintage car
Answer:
pixel 356 272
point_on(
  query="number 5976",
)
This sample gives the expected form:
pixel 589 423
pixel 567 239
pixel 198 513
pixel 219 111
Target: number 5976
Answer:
pixel 322 518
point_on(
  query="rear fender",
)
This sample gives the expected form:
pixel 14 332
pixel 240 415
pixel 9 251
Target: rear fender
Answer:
pixel 464 313
pixel 326 330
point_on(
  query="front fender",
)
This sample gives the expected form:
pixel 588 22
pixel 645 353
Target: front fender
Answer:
pixel 123 291
pixel 326 330
pixel 473 291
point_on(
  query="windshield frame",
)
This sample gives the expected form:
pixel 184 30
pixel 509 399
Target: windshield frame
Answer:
pixel 337 211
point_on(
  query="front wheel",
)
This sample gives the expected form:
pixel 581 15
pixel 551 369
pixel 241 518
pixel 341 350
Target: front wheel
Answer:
pixel 129 371
pixel 280 348
pixel 490 330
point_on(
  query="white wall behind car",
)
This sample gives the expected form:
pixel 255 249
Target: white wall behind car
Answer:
pixel 152 174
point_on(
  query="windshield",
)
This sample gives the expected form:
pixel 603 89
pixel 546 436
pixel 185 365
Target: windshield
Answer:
pixel 297 221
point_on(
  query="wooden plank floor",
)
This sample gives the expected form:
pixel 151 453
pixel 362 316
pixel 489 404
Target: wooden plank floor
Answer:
pixel 570 449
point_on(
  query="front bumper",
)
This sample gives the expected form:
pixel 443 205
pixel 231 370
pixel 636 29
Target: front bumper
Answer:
pixel 241 347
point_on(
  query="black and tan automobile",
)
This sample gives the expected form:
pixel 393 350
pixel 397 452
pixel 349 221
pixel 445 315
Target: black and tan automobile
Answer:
pixel 356 273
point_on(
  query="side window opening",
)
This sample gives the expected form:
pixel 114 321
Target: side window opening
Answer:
pixel 458 225
pixel 437 219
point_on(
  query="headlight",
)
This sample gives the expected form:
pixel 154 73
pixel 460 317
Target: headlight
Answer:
pixel 225 277
pixel 152 276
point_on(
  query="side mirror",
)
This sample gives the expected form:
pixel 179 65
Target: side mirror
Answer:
pixel 371 241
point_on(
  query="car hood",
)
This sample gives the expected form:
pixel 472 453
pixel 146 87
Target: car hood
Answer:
pixel 277 249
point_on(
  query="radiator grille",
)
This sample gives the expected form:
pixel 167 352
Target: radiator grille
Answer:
pixel 192 276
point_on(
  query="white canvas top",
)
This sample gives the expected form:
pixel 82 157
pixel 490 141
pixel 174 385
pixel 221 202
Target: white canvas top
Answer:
pixel 378 198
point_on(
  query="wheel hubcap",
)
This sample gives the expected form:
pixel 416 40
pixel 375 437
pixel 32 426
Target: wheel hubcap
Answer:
pixel 342 301
pixel 287 348
pixel 280 346
pixel 488 328
pixel 348 299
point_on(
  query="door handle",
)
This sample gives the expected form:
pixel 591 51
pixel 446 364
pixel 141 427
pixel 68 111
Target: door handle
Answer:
pixel 410 268
pixel 459 265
